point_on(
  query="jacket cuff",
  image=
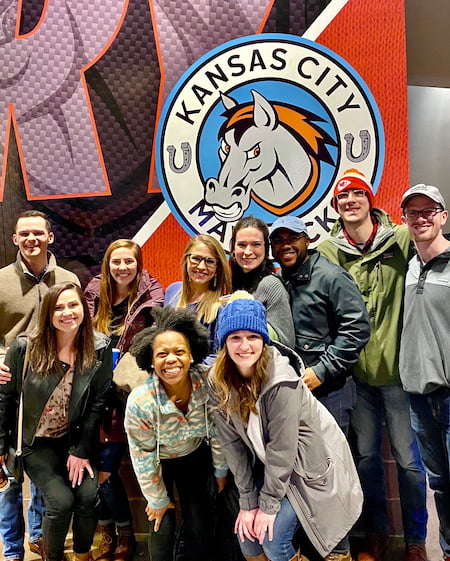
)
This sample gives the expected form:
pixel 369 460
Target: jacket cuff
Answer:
pixel 220 472
pixel 269 505
pixel 249 501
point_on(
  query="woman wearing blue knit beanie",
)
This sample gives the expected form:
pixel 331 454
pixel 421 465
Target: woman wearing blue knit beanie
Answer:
pixel 291 462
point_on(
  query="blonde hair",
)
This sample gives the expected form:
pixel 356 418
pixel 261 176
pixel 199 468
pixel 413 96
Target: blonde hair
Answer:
pixel 108 286
pixel 233 392
pixel 220 284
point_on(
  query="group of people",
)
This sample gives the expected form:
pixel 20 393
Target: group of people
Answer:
pixel 255 383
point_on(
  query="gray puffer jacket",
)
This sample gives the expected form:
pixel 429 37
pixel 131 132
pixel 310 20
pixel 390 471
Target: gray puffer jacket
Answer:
pixel 306 456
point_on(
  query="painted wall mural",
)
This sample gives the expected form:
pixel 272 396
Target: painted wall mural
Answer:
pixel 158 119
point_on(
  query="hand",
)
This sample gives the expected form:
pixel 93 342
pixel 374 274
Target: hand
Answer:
pixel 263 526
pixel 221 482
pixel 76 467
pixel 3 459
pixel 5 373
pixel 311 380
pixel 244 524
pixel 157 514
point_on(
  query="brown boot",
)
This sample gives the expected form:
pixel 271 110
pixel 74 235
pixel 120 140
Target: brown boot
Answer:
pixel 107 546
pixel 82 556
pixel 126 544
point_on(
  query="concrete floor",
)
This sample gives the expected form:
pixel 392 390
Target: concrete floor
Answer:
pixel 394 553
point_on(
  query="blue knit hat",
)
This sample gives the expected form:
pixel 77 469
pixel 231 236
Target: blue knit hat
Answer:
pixel 242 315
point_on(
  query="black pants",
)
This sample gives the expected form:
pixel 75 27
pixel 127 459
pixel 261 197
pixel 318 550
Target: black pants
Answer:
pixel 46 467
pixel 190 476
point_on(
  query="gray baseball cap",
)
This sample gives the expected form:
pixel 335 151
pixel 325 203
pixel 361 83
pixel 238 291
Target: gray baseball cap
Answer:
pixel 421 189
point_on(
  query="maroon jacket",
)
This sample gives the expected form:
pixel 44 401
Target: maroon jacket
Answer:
pixel 149 294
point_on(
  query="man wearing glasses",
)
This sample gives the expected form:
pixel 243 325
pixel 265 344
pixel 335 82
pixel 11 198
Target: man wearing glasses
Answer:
pixel 376 252
pixel 425 342
pixel 331 325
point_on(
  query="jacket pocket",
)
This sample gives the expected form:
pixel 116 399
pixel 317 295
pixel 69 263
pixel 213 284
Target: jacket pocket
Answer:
pixel 310 349
pixel 325 501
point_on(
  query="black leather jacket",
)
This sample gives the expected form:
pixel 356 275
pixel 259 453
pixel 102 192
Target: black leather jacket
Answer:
pixel 86 400
pixel 330 319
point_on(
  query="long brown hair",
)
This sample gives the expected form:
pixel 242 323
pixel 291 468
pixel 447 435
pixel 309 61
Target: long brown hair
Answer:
pixel 219 285
pixel 108 286
pixel 233 392
pixel 43 343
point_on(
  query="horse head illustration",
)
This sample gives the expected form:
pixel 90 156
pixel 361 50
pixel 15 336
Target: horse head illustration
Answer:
pixel 270 152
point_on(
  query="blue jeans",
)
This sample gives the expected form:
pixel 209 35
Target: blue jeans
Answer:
pixel 430 415
pixel 12 525
pixel 280 548
pixel 391 404
pixel 113 496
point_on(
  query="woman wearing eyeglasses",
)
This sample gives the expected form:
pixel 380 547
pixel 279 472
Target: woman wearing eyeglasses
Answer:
pixel 205 279
pixel 252 270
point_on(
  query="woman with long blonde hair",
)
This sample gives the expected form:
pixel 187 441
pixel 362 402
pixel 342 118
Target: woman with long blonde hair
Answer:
pixel 120 301
pixel 206 279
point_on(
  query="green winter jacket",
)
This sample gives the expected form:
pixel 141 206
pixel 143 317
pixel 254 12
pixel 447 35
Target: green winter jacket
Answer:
pixel 380 276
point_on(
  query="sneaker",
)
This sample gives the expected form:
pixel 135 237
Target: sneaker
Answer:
pixel 415 552
pixel 339 556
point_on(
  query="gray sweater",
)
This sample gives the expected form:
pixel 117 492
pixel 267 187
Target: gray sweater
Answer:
pixel 425 341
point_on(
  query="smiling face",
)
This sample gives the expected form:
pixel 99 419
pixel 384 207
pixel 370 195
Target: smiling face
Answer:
pixel 249 249
pixel 201 273
pixel 172 358
pixel 424 229
pixel 244 348
pixel 123 266
pixel 32 238
pixel 289 248
pixel 354 207
pixel 68 314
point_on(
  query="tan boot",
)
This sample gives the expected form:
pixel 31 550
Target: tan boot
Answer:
pixel 126 544
pixel 261 557
pixel 82 556
pixel 108 543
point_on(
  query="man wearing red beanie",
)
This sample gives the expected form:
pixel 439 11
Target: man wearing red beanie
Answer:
pixel 375 252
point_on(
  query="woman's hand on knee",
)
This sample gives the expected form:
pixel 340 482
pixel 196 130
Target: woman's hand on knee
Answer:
pixel 244 524
pixel 76 467
pixel 157 514
pixel 263 526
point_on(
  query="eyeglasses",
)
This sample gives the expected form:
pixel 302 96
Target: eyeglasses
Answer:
pixel 357 193
pixel 427 213
pixel 194 259
pixel 292 238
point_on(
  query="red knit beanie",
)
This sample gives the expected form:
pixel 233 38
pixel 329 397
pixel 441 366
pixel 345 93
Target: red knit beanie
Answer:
pixel 353 179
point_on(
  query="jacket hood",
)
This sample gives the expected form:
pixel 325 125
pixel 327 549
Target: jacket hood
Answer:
pixel 285 366
pixel 385 231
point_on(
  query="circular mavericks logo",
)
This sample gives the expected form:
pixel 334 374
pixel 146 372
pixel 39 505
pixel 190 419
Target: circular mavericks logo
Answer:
pixel 264 125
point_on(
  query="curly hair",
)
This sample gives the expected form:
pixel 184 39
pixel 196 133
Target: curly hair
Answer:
pixel 181 320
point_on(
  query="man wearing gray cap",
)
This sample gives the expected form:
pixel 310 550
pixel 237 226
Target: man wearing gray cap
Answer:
pixel 330 320
pixel 425 342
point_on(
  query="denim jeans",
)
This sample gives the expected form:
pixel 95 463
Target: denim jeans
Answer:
pixel 280 548
pixel 12 525
pixel 430 415
pixel 46 467
pixel 391 404
pixel 113 496
pixel 190 474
